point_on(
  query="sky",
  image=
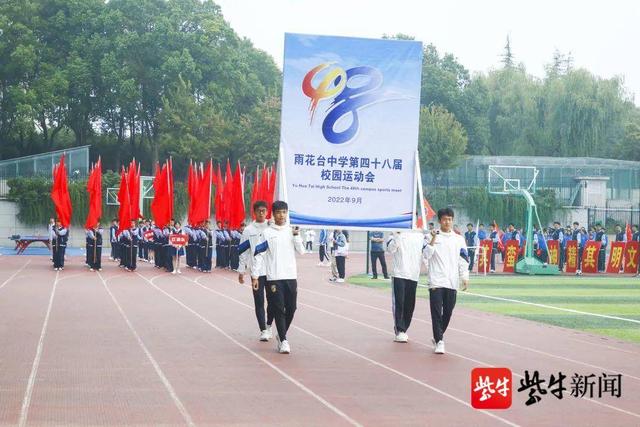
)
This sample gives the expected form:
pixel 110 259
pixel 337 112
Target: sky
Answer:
pixel 602 37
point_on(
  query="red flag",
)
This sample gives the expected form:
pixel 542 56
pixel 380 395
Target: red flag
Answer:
pixel 615 257
pixel 202 197
pixel 94 189
pixel 163 196
pixel 171 187
pixel 124 211
pixel 628 232
pixel 237 211
pixel 133 182
pixel 254 191
pixel 590 257
pixel 191 192
pixel 60 194
pixel 219 194
pixel 226 197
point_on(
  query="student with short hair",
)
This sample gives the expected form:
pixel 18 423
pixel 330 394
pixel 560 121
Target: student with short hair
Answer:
pixel 277 255
pixel 446 255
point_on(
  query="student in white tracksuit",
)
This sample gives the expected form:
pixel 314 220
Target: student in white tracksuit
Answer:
pixel 277 255
pixel 252 236
pixel 447 258
pixel 406 250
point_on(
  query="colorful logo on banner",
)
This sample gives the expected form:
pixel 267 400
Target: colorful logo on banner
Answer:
pixel 484 256
pixel 615 257
pixel 511 256
pixel 346 101
pixel 491 388
pixel 572 256
pixel 631 257
pixel 590 257
pixel 553 247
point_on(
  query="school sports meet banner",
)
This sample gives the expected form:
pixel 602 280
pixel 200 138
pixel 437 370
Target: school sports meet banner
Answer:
pixel 485 256
pixel 590 257
pixel 553 249
pixel 349 132
pixel 511 256
pixel 615 257
pixel 631 257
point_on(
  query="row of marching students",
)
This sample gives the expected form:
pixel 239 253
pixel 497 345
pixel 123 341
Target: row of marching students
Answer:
pixel 227 242
pixel 199 250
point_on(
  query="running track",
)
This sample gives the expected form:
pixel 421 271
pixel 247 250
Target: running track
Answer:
pixel 149 348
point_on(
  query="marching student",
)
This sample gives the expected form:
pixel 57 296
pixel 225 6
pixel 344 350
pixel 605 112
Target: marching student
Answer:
pixel 158 247
pixel 446 255
pixel 252 236
pixel 236 235
pixel 207 257
pixel 89 244
pixel 177 251
pixel 191 251
pixel 277 255
pixel 113 239
pixel 620 235
pixel 50 233
pixel 406 249
pixel 167 249
pixel 95 257
pixel 59 238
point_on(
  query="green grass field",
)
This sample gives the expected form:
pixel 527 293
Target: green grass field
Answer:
pixel 611 296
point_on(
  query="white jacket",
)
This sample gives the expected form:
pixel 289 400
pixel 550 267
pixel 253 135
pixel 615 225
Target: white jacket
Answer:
pixel 277 254
pixel 253 234
pixel 406 248
pixel 447 267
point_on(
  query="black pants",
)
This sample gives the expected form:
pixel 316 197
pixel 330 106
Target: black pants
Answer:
pixel 282 296
pixel 309 246
pixel 340 265
pixel 323 253
pixel 561 257
pixel 258 302
pixel 493 258
pixel 58 256
pixel 378 256
pixel 404 301
pixel 472 255
pixel 602 255
pixel 115 253
pixel 442 301
pixel 95 260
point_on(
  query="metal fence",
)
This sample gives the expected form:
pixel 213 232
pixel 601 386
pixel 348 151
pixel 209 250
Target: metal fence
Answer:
pixel 41 165
pixel 610 217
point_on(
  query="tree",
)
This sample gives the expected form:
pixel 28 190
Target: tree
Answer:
pixel 442 141
pixel 507 56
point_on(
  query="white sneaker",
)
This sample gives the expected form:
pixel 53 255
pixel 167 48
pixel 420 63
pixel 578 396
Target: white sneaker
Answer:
pixel 401 337
pixel 439 347
pixel 264 336
pixel 284 347
pixel 269 331
pixel 340 280
pixel 174 272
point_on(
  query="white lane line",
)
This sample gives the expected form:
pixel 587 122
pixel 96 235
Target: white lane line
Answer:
pixel 477 362
pixel 610 347
pixel 484 337
pixel 363 357
pixel 174 396
pixel 256 355
pixel 26 401
pixel 14 274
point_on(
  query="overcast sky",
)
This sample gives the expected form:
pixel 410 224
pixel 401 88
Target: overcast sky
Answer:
pixel 602 37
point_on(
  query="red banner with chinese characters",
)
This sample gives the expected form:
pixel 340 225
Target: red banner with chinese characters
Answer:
pixel 553 247
pixel 484 257
pixel 178 239
pixel 631 257
pixel 572 256
pixel 510 256
pixel 615 257
pixel 590 257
